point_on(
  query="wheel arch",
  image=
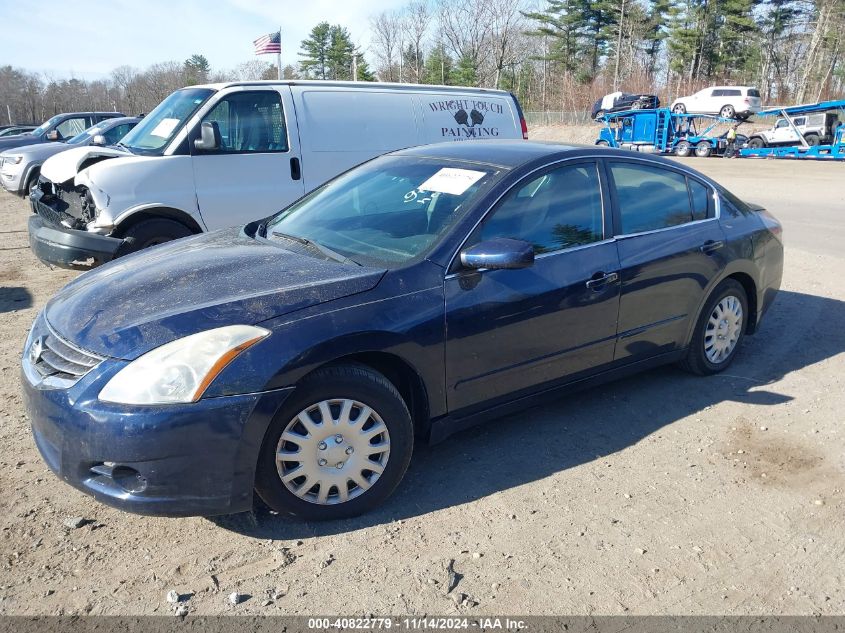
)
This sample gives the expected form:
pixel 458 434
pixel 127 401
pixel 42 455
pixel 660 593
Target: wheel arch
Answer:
pixel 133 217
pixel 746 279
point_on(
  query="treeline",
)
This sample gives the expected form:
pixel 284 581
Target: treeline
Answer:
pixel 554 54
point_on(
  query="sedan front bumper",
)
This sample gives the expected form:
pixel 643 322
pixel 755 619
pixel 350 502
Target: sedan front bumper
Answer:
pixel 165 460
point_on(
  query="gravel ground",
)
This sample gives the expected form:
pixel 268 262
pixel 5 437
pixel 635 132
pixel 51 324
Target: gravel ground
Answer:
pixel 659 494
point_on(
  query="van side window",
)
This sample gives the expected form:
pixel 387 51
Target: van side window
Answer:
pixel 250 122
pixel 650 198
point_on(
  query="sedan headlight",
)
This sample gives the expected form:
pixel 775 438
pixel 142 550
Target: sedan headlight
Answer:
pixel 12 160
pixel 180 371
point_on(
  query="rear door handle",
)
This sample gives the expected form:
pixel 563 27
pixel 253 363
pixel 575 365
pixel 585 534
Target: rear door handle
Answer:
pixel 601 279
pixel 711 245
pixel 295 169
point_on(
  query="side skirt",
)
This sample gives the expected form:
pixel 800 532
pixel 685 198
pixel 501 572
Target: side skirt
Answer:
pixel 448 425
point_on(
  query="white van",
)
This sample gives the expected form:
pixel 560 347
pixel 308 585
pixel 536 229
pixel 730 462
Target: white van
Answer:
pixel 220 155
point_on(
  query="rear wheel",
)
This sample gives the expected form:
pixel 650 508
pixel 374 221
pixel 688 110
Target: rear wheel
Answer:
pixel 719 330
pixel 703 149
pixel 812 139
pixel 727 112
pixel 683 149
pixel 755 142
pixel 602 143
pixel 679 108
pixel 338 448
pixel 151 232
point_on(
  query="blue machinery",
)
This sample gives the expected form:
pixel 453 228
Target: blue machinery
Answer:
pixel 660 131
pixel 832 151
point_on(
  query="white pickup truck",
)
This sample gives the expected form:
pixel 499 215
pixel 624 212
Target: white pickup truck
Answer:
pixel 816 129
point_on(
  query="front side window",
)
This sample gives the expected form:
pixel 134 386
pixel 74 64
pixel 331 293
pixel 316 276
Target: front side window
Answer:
pixel 558 210
pixel 650 198
pixel 249 122
pixel 386 212
pixel 71 127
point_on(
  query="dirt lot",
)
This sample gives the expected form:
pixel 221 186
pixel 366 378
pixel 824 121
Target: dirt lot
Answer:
pixel 659 494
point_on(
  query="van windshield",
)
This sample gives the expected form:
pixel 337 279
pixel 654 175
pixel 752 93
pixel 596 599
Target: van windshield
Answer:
pixel 387 212
pixel 155 130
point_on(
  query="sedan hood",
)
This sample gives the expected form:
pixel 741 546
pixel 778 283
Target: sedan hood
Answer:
pixel 140 302
pixel 65 166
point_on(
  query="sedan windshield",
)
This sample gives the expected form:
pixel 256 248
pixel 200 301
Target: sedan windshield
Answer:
pixel 155 131
pixel 387 212
pixel 85 136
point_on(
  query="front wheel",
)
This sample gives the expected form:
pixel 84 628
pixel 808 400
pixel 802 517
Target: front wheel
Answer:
pixel 602 143
pixel 679 108
pixel 151 232
pixel 703 149
pixel 339 446
pixel 755 142
pixel 719 330
pixel 812 139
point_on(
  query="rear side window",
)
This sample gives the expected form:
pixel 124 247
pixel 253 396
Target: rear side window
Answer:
pixel 753 92
pixel 718 93
pixel 701 200
pixel 650 198
pixel 733 93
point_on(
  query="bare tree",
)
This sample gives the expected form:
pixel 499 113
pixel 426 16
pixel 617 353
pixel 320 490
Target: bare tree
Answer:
pixel 386 44
pixel 416 20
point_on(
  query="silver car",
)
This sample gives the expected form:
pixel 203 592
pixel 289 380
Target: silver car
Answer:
pixel 19 167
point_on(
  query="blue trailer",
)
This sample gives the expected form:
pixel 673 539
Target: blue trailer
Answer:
pixel 834 150
pixel 661 131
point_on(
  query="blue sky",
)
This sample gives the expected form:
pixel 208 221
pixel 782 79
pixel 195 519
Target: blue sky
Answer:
pixel 88 38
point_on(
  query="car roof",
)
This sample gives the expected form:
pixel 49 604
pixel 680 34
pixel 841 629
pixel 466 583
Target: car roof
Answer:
pixel 505 153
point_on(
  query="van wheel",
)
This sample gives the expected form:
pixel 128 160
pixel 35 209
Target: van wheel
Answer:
pixel 703 149
pixel 151 232
pixel 812 139
pixel 338 447
pixel 719 330
pixel 683 149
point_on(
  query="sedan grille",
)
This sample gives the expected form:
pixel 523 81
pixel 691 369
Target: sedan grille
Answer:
pixel 53 357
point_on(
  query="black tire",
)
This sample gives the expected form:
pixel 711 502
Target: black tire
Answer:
pixel 812 139
pixel 679 108
pixel 683 149
pixel 356 382
pixel 31 184
pixel 756 142
pixel 602 143
pixel 727 112
pixel 696 360
pixel 151 232
pixel 703 149
pixel 599 115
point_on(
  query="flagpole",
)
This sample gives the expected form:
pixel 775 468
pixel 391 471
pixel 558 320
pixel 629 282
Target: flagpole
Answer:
pixel 279 54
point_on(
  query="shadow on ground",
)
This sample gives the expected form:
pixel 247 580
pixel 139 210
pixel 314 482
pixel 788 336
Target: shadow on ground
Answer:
pixel 14 298
pixel 800 330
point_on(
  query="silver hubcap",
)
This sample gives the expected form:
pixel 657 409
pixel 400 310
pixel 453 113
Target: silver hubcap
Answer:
pixel 333 451
pixel 723 330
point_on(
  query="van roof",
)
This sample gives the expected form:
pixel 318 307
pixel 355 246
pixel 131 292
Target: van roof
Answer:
pixel 350 84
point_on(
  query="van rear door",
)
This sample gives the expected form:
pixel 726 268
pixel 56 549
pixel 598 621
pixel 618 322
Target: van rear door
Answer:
pixel 255 170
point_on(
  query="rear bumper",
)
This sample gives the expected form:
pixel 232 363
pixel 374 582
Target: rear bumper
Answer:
pixel 175 460
pixel 59 246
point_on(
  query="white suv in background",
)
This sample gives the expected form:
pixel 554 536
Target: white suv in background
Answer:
pixel 726 101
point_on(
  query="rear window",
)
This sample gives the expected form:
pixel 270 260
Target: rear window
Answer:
pixel 753 92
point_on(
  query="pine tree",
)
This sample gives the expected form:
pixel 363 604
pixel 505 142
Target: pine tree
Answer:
pixel 197 69
pixel 438 67
pixel 315 52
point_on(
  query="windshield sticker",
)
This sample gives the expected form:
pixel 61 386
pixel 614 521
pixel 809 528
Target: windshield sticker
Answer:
pixel 165 128
pixel 452 181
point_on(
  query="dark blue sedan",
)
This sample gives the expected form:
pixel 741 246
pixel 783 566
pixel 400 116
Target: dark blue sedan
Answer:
pixel 427 290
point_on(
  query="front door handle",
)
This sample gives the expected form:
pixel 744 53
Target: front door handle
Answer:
pixel 601 279
pixel 295 169
pixel 711 245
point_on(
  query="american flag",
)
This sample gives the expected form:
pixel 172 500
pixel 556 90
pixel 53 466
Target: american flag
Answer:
pixel 270 43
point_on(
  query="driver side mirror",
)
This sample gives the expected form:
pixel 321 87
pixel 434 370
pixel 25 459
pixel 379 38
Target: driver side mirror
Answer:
pixel 499 253
pixel 52 135
pixel 99 139
pixel 209 139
